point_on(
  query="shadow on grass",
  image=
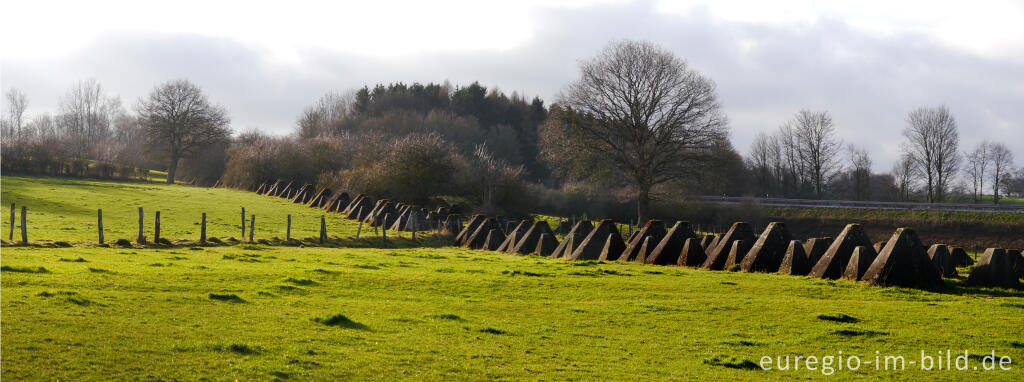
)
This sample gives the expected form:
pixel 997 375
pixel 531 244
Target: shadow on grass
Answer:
pixel 340 320
pixel 227 298
pixel 958 287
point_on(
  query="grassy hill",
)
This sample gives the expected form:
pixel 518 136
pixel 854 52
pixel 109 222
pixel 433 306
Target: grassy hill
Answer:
pixel 65 210
pixel 255 312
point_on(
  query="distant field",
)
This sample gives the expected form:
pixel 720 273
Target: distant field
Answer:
pixel 868 214
pixel 249 313
pixel 65 210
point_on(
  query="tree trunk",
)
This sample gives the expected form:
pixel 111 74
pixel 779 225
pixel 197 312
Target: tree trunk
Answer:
pixel 172 169
pixel 643 205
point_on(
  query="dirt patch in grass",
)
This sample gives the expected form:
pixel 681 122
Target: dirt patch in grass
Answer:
pixel 340 320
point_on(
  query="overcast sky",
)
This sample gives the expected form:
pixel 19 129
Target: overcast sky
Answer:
pixel 867 62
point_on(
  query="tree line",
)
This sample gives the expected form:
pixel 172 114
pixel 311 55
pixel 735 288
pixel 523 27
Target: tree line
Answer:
pixel 638 126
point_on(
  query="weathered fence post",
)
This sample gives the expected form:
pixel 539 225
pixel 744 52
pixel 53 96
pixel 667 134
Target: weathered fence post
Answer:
pixel 243 222
pixel 384 228
pixel 141 239
pixel 360 229
pixel 99 223
pixel 24 225
pixel 323 228
pixel 202 230
pixel 11 236
pixel 252 226
pixel 288 230
pixel 156 230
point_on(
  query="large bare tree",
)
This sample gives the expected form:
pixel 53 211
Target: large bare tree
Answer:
pixel 179 119
pixel 932 141
pixel 1002 165
pixel 647 112
pixel 818 148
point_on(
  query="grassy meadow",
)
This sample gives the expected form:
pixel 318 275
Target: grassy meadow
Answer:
pixel 65 210
pixel 363 311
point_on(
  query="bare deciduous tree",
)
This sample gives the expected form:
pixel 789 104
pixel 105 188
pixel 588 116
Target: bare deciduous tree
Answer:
pixel 818 148
pixel 647 112
pixel 932 141
pixel 760 160
pixel 977 166
pixel 14 122
pixel 179 119
pixel 903 173
pixel 1002 165
pixel 87 115
pixel 860 171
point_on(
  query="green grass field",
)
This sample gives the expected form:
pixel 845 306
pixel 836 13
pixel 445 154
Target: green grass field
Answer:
pixel 255 312
pixel 66 209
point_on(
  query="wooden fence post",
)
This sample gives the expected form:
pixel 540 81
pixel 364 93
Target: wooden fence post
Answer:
pixel 99 223
pixel 323 228
pixel 243 222
pixel 360 229
pixel 141 239
pixel 288 230
pixel 383 227
pixel 252 226
pixel 11 236
pixel 156 230
pixel 24 225
pixel 202 230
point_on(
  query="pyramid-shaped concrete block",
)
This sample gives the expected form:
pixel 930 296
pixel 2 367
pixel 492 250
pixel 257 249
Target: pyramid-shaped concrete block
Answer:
pixel 994 269
pixel 720 253
pixel 795 262
pixel 692 254
pixel 494 239
pixel 653 228
pixel 613 245
pixel 576 235
pixel 591 246
pixel 737 253
pixel 859 263
pixel 903 262
pixel 942 260
pixel 528 242
pixel 769 249
pixel 667 251
pixel 546 244
pixel 833 263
